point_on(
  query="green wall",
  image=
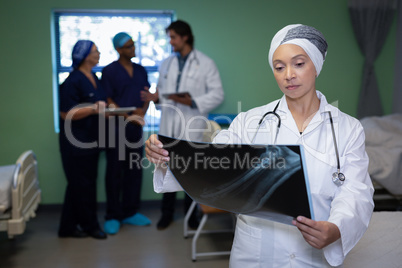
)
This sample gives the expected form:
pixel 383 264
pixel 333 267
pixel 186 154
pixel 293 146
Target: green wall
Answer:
pixel 235 33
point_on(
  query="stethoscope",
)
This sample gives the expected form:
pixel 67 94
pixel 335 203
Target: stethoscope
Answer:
pixel 337 177
pixel 195 58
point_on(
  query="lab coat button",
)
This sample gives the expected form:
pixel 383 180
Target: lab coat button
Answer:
pixel 292 256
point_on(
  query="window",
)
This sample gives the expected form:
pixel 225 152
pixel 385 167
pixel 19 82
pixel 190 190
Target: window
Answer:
pixel 146 27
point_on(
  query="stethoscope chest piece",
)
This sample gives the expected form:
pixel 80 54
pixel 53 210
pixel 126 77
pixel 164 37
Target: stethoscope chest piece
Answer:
pixel 338 178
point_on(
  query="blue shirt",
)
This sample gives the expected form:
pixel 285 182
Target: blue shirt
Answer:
pixel 182 61
pixel 123 89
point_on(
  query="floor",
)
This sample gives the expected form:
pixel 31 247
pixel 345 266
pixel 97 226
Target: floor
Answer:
pixel 133 246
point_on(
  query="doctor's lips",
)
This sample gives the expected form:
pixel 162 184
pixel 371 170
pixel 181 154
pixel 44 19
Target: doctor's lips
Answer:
pixel 292 87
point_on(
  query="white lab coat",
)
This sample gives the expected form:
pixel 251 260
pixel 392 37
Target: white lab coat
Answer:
pixel 200 77
pixel 263 243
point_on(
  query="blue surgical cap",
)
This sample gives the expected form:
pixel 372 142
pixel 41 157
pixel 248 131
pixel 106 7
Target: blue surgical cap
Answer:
pixel 120 39
pixel 81 51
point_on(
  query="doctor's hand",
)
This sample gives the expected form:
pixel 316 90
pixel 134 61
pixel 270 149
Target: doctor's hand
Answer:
pixel 318 234
pixel 181 98
pixel 99 107
pixel 154 150
pixel 147 96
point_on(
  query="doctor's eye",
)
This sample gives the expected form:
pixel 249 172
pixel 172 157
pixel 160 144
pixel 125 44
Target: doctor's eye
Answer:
pixel 300 64
pixel 279 68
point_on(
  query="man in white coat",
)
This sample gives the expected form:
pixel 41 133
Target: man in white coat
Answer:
pixel 189 87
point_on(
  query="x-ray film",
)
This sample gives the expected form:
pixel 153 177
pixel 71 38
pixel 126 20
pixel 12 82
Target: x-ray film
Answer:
pixel 266 181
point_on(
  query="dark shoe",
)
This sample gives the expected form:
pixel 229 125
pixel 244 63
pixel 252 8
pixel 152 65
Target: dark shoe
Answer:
pixel 75 234
pixel 193 222
pixel 97 234
pixel 164 222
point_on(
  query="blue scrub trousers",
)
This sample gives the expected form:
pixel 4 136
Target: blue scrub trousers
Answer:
pixel 124 179
pixel 79 208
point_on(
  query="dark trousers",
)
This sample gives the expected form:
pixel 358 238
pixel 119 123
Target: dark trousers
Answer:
pixel 124 177
pixel 169 202
pixel 80 205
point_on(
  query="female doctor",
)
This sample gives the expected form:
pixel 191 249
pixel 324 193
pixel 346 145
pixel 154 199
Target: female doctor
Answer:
pixel 337 163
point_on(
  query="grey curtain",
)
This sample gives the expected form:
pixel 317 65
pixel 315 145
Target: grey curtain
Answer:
pixel 371 21
pixel 397 96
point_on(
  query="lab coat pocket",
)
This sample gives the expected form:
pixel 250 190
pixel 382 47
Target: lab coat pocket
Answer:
pixel 320 177
pixel 192 83
pixel 246 250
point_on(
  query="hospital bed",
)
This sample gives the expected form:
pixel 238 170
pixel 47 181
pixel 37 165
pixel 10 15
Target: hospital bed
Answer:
pixel 384 148
pixel 381 245
pixel 19 194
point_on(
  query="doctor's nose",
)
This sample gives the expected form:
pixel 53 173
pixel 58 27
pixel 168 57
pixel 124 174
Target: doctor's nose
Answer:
pixel 289 74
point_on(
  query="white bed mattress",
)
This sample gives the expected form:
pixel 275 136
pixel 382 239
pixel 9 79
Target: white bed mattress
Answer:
pixel 381 245
pixel 6 181
pixel 384 148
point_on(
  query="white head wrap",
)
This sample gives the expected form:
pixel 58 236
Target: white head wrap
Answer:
pixel 308 38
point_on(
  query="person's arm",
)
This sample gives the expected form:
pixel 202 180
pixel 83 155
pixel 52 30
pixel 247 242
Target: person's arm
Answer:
pixel 318 234
pixel 154 150
pixel 182 98
pixel 352 205
pixel 147 96
pixel 163 179
pixel 136 117
pixel 71 106
pixel 214 91
pixel 78 113
pixel 111 103
pixel 146 103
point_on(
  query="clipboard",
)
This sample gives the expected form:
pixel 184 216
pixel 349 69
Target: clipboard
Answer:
pixel 265 181
pixel 179 94
pixel 120 110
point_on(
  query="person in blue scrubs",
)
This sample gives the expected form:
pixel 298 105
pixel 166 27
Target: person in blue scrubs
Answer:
pixel 81 100
pixel 123 81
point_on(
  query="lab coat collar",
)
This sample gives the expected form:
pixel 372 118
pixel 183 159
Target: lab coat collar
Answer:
pixel 174 57
pixel 191 55
pixel 322 113
pixel 326 107
pixel 180 57
pixel 285 114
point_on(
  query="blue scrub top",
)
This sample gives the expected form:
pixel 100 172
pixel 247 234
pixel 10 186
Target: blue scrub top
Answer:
pixel 77 89
pixel 123 89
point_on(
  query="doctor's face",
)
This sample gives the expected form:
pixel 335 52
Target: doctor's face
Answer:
pixel 178 42
pixel 128 50
pixel 93 56
pixel 294 71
